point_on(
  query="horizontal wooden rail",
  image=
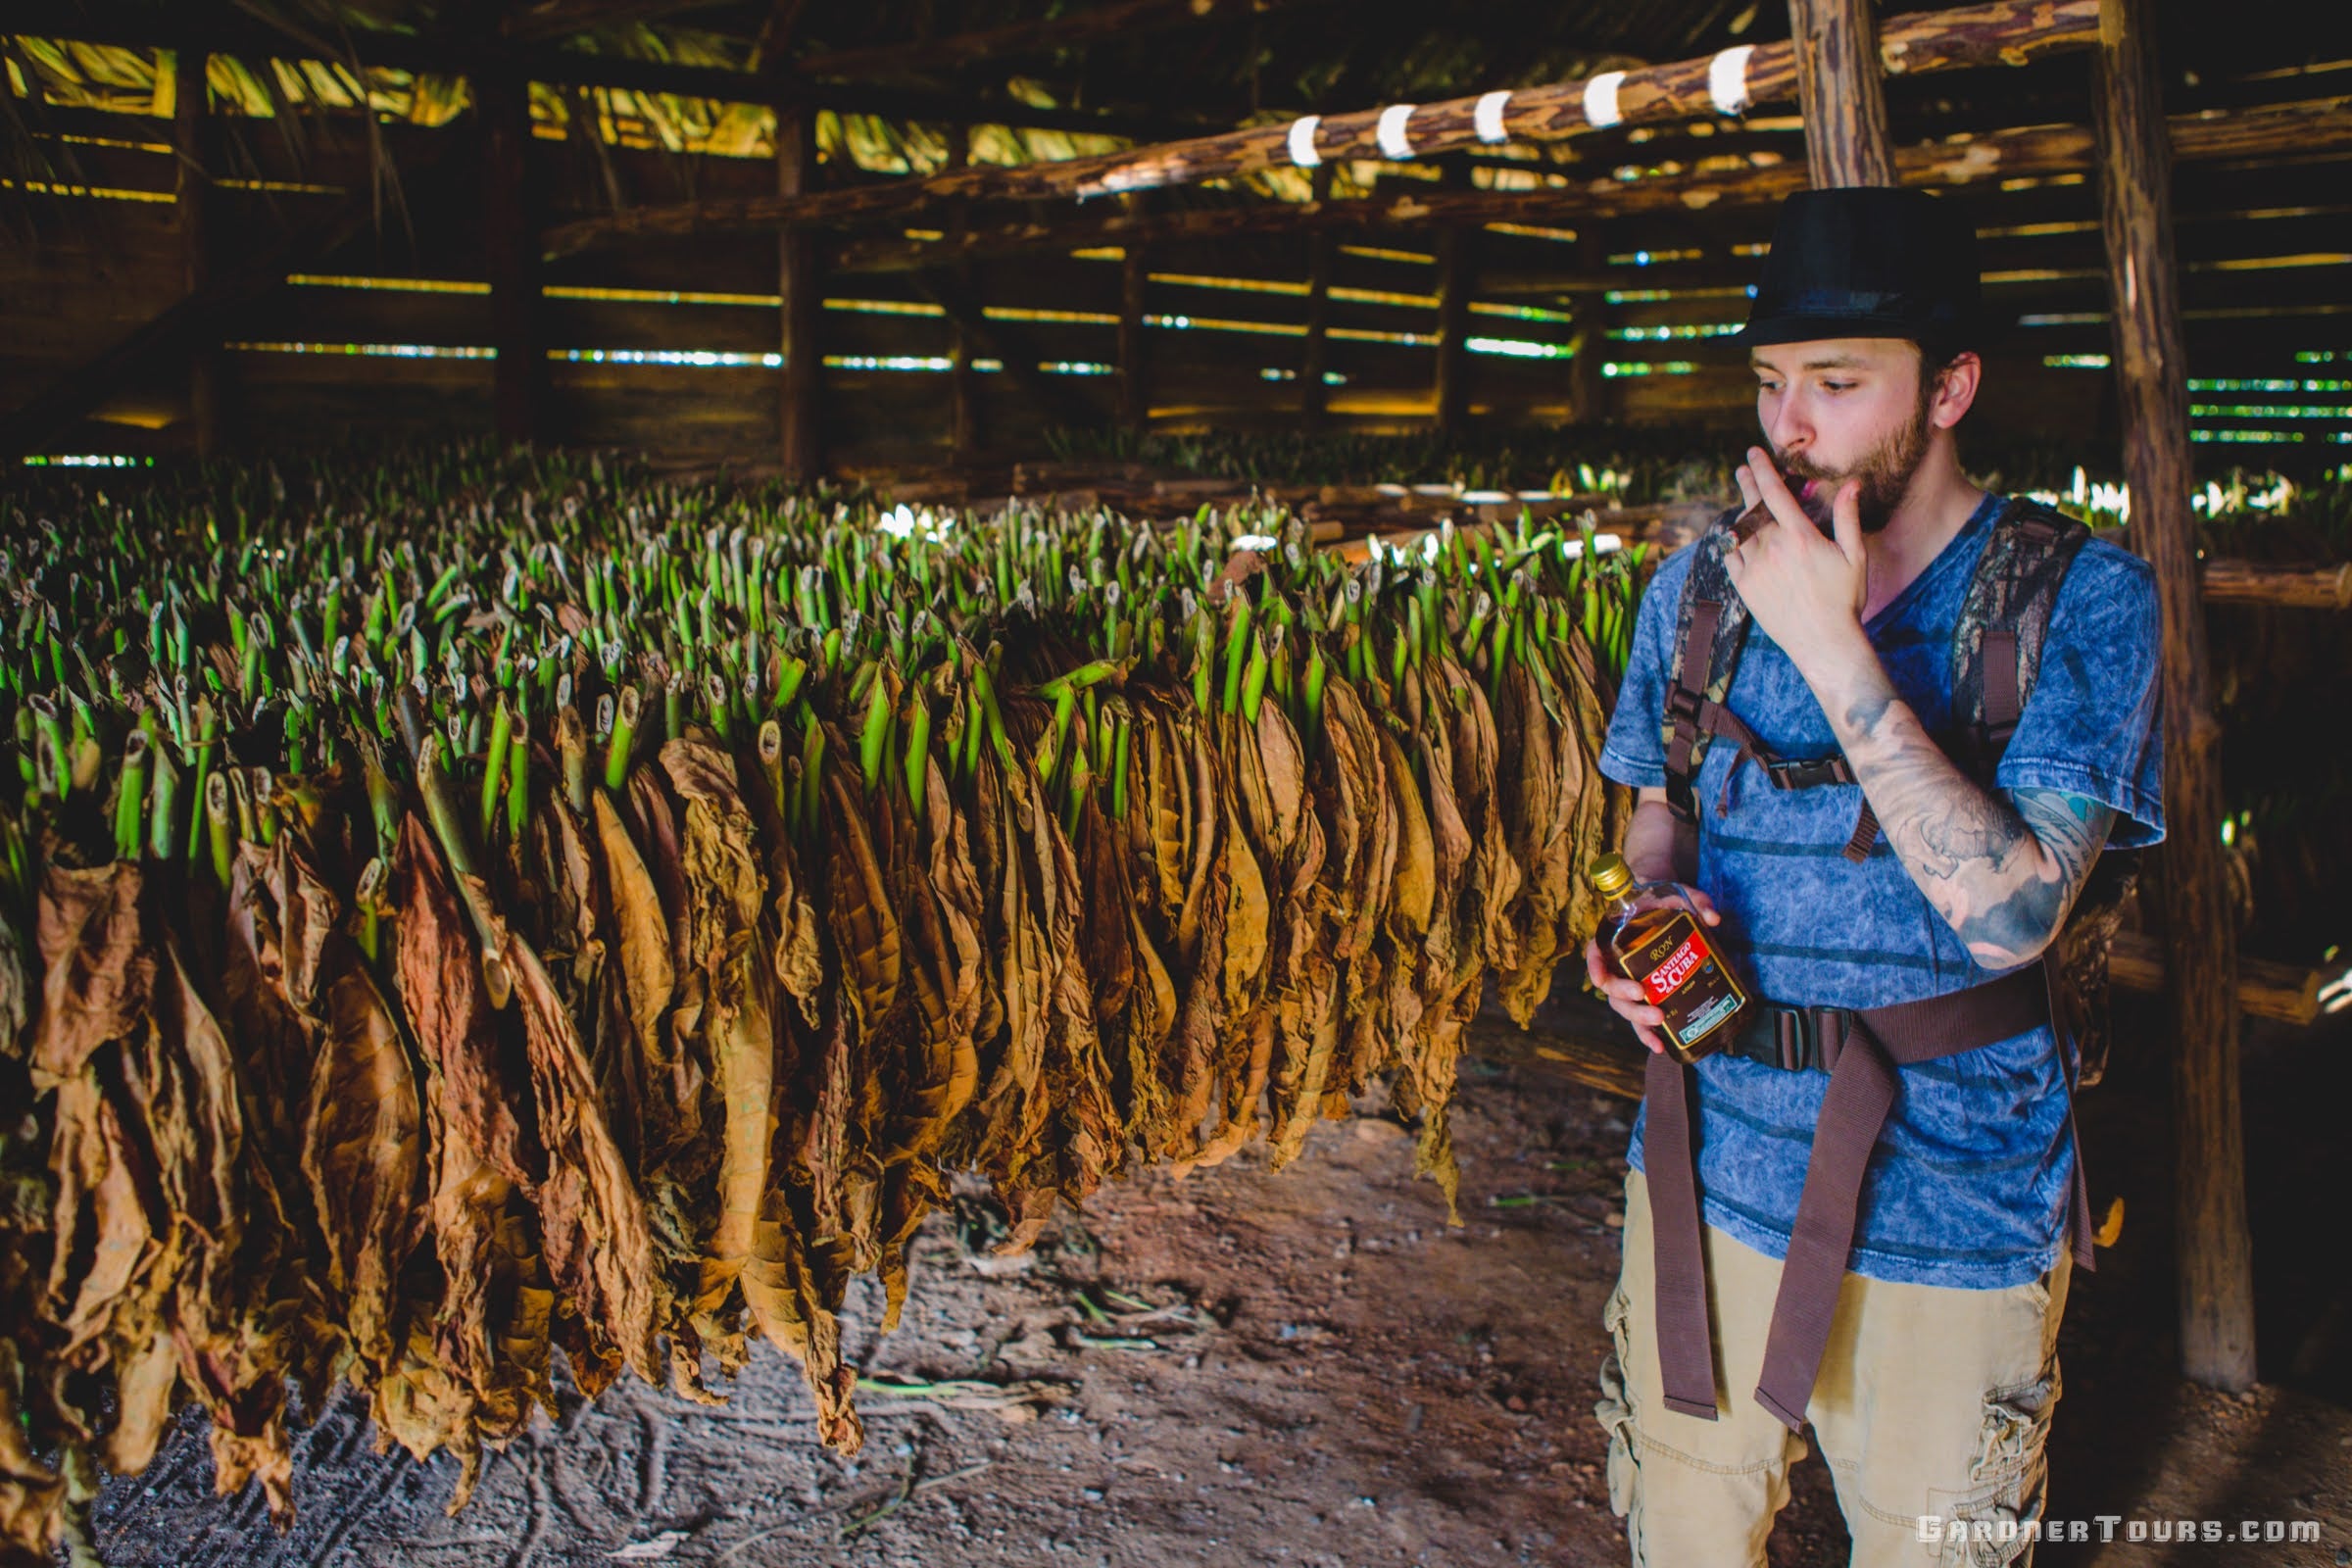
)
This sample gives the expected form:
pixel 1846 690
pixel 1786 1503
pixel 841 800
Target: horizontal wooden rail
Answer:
pixel 2286 991
pixel 1997 32
pixel 1676 523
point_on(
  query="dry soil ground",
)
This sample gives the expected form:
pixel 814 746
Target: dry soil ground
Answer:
pixel 1312 1368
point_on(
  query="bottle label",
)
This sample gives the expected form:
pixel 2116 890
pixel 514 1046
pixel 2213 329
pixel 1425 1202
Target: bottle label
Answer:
pixel 1684 977
pixel 1680 965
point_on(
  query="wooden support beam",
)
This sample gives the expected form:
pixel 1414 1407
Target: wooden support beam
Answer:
pixel 1840 92
pixel 2210 1234
pixel 1457 278
pixel 511 258
pixel 2286 991
pixel 2320 128
pixel 2277 587
pixel 963 280
pixel 1314 356
pixel 1587 387
pixel 1135 395
pixel 799 279
pixel 1992 32
pixel 192 194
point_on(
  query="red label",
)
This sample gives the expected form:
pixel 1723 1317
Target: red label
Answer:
pixel 1680 965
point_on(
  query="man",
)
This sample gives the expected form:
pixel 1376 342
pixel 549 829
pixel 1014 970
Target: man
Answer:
pixel 1923 1355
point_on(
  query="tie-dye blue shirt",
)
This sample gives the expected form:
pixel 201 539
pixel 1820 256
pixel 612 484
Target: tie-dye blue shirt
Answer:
pixel 1968 1186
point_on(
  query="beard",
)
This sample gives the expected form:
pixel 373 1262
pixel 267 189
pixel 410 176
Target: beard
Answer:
pixel 1886 472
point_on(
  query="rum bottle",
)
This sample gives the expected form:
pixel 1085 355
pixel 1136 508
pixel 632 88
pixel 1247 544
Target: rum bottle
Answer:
pixel 1653 933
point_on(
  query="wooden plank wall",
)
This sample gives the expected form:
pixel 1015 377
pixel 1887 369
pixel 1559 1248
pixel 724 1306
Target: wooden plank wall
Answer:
pixel 102 263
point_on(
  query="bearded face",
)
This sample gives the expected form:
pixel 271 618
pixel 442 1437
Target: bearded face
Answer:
pixel 1886 471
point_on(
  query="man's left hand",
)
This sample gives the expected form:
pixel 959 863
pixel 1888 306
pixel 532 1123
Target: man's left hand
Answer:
pixel 1806 591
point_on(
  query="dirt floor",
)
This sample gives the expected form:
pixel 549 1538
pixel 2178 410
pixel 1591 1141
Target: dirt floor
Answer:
pixel 1312 1368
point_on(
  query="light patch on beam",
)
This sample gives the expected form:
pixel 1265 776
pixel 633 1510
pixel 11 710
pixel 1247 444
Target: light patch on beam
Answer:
pixel 1015 313
pixel 885 362
pixel 1652 296
pixel 86 460
pixel 1519 313
pixel 1517 348
pixel 1558 236
pixel 883 307
pixel 1668 333
pixel 1362 334
pixel 102 193
pixel 388 285
pixel 1099 253
pixel 1379 252
pixel 2248 437
pixel 1654 258
pixel 687 359
pixel 1375 296
pixel 662 296
pixel 2076 361
pixel 374 351
pixel 1616 368
pixel 1239 285
pixel 1210 323
pixel 2266 411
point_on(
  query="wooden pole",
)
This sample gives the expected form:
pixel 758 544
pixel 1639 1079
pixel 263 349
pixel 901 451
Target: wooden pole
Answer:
pixel 1589 312
pixel 800 435
pixel 1314 358
pixel 192 193
pixel 1457 276
pixel 511 256
pixel 2201 980
pixel 1135 399
pixel 1840 92
pixel 963 382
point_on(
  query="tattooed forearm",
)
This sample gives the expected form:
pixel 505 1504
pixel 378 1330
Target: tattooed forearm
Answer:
pixel 2001 872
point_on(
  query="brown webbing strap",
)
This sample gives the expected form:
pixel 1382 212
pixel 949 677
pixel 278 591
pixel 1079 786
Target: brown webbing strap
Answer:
pixel 1866 834
pixel 1695 662
pixel 2002 701
pixel 1685 1347
pixel 1861 1091
pixel 2079 1228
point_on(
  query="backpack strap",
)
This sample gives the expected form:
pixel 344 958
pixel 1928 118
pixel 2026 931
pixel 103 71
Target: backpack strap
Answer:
pixel 1997 641
pixel 1710 628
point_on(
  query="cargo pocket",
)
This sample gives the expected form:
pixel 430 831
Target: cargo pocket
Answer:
pixel 1615 1409
pixel 2008 1479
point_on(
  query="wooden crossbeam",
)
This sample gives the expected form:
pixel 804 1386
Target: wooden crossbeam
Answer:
pixel 2320 128
pixel 1994 32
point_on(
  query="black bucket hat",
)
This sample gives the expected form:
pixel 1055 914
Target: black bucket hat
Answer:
pixel 1868 261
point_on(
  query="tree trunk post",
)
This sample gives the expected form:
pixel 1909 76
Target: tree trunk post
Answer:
pixel 1457 276
pixel 192 193
pixel 963 382
pixel 511 255
pixel 1135 403
pixel 1840 92
pixel 1314 358
pixel 1589 314
pixel 2214 1249
pixel 800 435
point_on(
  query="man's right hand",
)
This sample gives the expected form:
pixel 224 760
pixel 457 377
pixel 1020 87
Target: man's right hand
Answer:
pixel 1626 997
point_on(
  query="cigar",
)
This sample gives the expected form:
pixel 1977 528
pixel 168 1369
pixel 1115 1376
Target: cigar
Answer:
pixel 1744 526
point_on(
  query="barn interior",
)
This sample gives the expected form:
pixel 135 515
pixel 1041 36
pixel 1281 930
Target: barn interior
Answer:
pixel 1347 280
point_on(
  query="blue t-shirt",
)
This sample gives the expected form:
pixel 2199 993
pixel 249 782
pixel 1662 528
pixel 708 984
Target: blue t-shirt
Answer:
pixel 1969 1184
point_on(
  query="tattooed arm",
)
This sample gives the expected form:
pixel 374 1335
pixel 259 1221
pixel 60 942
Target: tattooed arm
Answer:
pixel 2002 869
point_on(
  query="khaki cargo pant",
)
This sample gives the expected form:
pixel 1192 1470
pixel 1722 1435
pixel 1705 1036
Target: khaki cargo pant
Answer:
pixel 1930 1402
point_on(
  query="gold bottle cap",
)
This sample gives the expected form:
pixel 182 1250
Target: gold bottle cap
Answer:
pixel 1611 875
